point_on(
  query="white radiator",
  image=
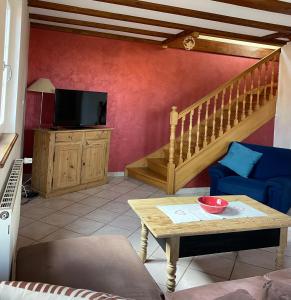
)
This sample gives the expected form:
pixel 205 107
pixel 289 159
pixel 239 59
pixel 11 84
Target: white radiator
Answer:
pixel 9 219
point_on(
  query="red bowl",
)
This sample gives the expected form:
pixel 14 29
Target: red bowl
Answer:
pixel 212 204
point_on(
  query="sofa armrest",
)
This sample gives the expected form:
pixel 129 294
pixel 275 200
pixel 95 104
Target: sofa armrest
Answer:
pixel 278 191
pixel 217 172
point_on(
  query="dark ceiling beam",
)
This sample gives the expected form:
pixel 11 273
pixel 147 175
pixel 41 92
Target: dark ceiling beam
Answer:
pixel 269 5
pixel 198 14
pixel 93 33
pixel 273 36
pixel 201 45
pixel 106 15
pixel 100 26
pixel 114 16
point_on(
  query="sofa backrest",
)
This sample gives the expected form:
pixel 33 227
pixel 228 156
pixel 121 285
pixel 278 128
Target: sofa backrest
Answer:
pixel 275 162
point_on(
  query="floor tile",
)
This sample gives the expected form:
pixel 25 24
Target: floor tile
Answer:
pixel 213 265
pixel 78 209
pixel 135 242
pixel 115 206
pixel 75 197
pixel 60 234
pixel 59 219
pixel 159 254
pixel 111 230
pixel 84 226
pixel 94 190
pixel 37 230
pixel 116 180
pixel 126 222
pixel 121 189
pixel 131 213
pixel 25 221
pixel 107 194
pixel 55 203
pixel 243 270
pixel 258 257
pixel 192 278
pixel 147 188
pixel 158 270
pixel 23 241
pixel 36 212
pixel 102 215
pixel 94 201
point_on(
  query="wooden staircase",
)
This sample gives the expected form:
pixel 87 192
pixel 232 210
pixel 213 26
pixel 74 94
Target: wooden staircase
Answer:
pixel 201 133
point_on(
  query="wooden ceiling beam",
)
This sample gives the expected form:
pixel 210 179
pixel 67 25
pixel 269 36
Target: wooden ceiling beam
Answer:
pixel 269 5
pixel 273 36
pixel 106 15
pixel 201 45
pixel 198 14
pixel 92 33
pixel 184 28
pixel 100 26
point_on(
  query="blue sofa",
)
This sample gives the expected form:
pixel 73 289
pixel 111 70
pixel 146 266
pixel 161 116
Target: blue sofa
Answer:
pixel 269 182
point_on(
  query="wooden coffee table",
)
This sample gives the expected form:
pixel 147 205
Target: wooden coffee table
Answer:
pixel 206 237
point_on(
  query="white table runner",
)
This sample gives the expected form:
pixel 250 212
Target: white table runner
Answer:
pixel 184 213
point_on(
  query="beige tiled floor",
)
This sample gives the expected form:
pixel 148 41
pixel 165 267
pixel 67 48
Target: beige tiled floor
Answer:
pixel 104 210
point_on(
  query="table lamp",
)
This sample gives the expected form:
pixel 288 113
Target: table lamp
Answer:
pixel 42 85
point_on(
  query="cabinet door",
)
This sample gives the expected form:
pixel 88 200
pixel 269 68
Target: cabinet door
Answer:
pixel 67 165
pixel 93 161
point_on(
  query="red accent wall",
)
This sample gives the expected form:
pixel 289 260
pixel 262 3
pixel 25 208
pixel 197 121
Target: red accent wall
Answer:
pixel 143 81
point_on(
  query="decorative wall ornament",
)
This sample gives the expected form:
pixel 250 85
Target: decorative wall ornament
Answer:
pixel 189 42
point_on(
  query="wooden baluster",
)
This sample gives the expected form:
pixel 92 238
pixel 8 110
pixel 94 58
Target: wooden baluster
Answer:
pixel 272 77
pixel 244 99
pixel 206 124
pixel 214 119
pixel 181 141
pixel 251 95
pixel 190 134
pixel 237 102
pixel 229 107
pixel 266 82
pixel 222 112
pixel 259 87
pixel 198 129
pixel 171 164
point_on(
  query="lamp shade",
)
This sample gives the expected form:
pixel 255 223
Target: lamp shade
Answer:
pixel 42 85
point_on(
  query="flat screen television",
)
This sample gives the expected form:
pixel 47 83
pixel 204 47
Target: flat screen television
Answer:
pixel 75 108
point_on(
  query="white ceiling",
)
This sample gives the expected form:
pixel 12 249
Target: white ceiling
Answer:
pixel 199 5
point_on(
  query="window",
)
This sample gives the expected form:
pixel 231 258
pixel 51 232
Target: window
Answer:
pixel 7 71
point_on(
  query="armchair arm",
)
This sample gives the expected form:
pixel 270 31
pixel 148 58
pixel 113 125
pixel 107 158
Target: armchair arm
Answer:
pixel 278 192
pixel 217 172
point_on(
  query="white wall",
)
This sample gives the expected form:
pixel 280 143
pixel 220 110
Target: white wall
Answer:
pixel 15 113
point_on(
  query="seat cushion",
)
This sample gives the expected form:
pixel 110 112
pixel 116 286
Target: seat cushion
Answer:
pixel 98 263
pixel 212 291
pixel 280 275
pixel 236 185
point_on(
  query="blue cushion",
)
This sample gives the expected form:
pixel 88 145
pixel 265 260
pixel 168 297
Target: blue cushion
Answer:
pixel 240 159
pixel 236 185
pixel 275 162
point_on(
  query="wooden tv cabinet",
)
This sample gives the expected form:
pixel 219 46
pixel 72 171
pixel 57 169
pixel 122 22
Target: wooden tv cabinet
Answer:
pixel 69 160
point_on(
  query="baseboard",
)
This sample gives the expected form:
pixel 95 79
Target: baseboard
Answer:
pixel 196 191
pixel 115 174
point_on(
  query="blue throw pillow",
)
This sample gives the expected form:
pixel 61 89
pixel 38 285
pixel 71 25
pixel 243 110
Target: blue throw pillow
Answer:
pixel 240 159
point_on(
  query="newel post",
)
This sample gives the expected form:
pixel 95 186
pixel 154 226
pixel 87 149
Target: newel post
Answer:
pixel 171 163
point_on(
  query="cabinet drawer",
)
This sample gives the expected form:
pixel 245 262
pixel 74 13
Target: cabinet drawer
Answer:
pixel 95 135
pixel 69 136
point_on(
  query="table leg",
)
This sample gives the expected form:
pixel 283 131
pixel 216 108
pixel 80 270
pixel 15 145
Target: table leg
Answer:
pixel 172 253
pixel 143 242
pixel 282 247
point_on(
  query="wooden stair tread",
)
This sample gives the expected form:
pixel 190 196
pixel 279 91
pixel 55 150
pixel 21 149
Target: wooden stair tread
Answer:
pixel 148 176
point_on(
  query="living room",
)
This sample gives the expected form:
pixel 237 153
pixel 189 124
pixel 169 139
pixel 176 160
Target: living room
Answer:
pixel 89 186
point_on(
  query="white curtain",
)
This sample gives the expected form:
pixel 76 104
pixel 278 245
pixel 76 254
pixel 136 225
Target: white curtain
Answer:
pixel 282 134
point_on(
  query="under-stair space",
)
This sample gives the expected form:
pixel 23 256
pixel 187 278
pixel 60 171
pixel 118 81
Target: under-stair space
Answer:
pixel 201 133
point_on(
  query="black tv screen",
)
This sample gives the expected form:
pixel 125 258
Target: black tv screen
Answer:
pixel 80 108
